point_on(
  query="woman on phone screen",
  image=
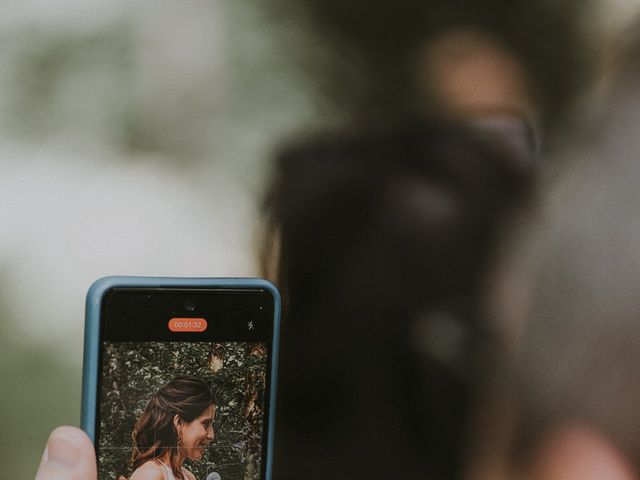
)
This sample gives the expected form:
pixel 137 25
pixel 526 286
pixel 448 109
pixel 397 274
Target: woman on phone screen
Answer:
pixel 176 424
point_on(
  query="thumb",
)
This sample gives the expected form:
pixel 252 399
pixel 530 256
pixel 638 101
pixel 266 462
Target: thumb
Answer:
pixel 69 455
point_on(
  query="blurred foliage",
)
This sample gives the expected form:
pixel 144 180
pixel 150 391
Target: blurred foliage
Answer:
pixel 67 79
pixel 133 371
pixel 194 89
pixel 39 392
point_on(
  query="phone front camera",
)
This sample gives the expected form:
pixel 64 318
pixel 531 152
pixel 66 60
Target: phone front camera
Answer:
pixel 190 304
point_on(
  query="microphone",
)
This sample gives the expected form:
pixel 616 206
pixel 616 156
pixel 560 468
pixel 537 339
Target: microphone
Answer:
pixel 214 476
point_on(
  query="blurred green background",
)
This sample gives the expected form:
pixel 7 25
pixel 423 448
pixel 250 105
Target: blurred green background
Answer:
pixel 135 139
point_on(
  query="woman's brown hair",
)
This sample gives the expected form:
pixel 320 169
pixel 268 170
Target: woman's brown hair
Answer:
pixel 155 434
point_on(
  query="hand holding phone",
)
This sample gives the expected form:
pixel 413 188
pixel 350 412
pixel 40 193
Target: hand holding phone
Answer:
pixel 179 377
pixel 69 455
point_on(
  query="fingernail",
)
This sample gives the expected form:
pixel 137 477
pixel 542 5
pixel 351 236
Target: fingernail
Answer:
pixel 62 450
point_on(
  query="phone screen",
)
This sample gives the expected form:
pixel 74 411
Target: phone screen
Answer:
pixel 160 349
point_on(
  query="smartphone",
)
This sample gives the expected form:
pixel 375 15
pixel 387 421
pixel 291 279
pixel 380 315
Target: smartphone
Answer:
pixel 179 377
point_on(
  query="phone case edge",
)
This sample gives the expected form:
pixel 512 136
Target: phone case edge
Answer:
pixel 92 337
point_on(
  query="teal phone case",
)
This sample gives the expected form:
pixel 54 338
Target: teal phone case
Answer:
pixel 92 338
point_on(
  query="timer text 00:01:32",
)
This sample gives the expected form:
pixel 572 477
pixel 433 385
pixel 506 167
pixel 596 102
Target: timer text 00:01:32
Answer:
pixel 187 324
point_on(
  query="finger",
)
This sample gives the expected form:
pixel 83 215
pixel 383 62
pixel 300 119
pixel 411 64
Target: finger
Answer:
pixel 69 455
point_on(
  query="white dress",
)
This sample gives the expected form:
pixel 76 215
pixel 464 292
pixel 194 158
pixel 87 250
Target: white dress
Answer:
pixel 170 475
pixel 168 472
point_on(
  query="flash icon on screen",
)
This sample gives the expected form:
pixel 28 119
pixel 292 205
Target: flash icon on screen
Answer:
pixel 250 325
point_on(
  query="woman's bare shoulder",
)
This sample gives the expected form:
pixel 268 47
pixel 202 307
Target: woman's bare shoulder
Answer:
pixel 148 471
pixel 189 475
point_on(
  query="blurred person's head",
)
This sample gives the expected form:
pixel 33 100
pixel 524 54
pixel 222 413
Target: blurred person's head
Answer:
pixel 456 57
pixel 383 237
pixel 577 374
pixel 469 73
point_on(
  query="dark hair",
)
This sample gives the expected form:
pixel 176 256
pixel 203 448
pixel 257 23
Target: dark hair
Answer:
pixel 384 237
pixel 155 433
